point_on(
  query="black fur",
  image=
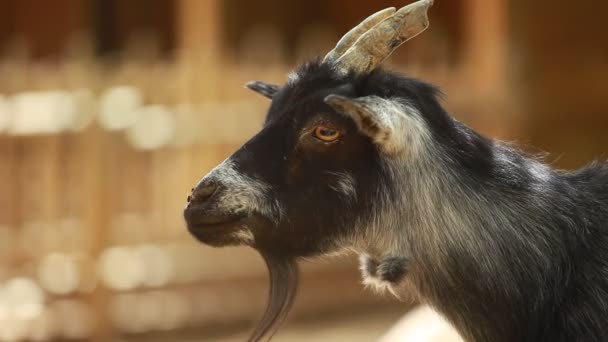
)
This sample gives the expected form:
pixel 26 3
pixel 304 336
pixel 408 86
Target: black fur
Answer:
pixel 283 279
pixel 546 281
pixel 390 269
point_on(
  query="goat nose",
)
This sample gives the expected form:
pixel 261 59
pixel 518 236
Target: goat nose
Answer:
pixel 202 192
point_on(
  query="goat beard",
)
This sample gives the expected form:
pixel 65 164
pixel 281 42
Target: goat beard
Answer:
pixel 284 279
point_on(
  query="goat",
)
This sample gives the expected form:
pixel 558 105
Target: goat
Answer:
pixel 354 157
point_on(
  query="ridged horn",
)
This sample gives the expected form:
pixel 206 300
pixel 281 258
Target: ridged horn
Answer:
pixel 351 36
pixel 379 42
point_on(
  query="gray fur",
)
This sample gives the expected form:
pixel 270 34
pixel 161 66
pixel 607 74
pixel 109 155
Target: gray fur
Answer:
pixel 392 124
pixel 246 195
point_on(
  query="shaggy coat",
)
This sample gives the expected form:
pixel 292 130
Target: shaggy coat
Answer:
pixel 504 246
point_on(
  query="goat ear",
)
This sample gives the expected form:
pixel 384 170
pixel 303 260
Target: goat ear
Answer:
pixel 384 121
pixel 266 89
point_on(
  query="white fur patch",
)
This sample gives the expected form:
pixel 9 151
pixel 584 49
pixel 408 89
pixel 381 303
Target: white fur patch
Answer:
pixel 293 77
pixel 400 124
pixel 243 194
pixel 345 184
pixel 392 124
pixel 376 284
pixel 372 282
pixel 245 236
pixel 540 171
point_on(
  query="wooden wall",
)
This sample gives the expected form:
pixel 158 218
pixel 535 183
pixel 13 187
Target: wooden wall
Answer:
pixel 531 71
pixel 560 58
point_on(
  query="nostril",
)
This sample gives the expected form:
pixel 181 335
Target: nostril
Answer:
pixel 202 192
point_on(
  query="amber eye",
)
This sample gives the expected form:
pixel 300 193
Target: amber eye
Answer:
pixel 326 134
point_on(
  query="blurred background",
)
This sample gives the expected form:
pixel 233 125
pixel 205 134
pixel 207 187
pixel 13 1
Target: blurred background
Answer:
pixel 110 111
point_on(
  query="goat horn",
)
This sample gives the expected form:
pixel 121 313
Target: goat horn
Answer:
pixel 377 44
pixel 351 36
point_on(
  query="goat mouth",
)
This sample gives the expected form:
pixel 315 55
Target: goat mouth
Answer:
pixel 216 230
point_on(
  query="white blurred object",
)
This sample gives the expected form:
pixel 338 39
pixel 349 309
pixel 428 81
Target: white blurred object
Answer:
pixel 120 107
pixel 65 108
pixel 121 269
pixel 158 267
pixel 422 324
pixel 47 112
pixel 154 128
pixel 85 109
pixel 22 299
pixel 59 274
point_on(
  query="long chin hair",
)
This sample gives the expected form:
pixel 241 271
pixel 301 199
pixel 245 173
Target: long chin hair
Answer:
pixel 284 279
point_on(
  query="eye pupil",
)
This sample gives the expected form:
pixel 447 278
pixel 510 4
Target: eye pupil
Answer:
pixel 326 134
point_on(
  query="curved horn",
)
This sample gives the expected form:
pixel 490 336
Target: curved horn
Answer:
pixel 377 44
pixel 351 36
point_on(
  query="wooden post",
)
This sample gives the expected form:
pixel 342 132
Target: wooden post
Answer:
pixel 485 68
pixel 200 26
pixel 9 202
pixel 485 43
